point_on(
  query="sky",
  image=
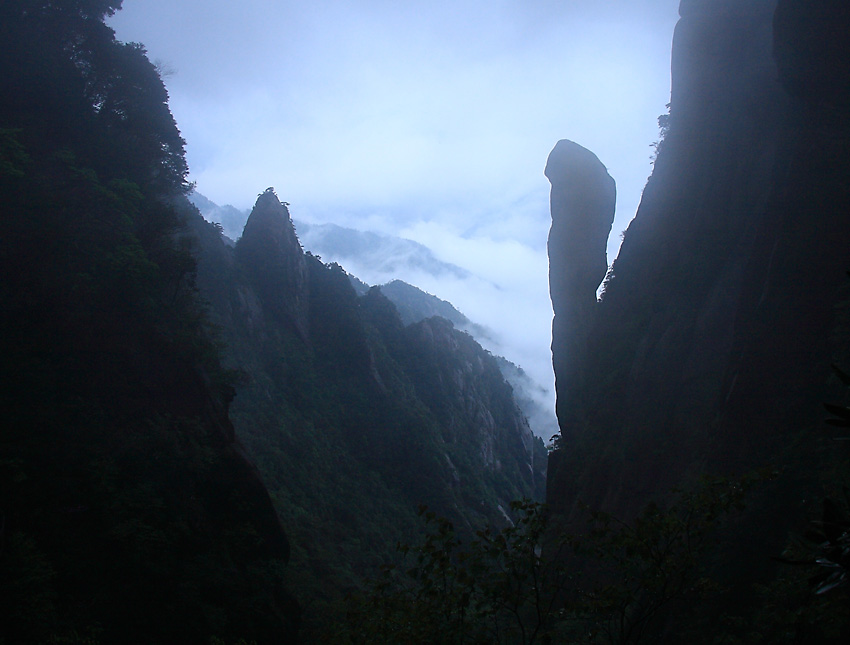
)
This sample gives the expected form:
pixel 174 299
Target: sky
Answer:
pixel 426 120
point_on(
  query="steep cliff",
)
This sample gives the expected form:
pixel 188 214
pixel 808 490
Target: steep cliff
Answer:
pixel 710 350
pixel 270 253
pixel 414 305
pixel 464 387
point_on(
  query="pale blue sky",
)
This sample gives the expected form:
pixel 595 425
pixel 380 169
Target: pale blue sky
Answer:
pixel 431 120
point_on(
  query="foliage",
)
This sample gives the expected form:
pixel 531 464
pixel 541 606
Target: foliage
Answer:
pixel 663 129
pixel 840 413
pixel 654 561
pixel 826 545
pixel 832 537
pixel 530 583
pixel 491 590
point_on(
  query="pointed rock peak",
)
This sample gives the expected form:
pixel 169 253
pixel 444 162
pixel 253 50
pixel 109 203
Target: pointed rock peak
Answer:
pixel 269 249
pixel 268 198
pixel 269 208
pixel 270 222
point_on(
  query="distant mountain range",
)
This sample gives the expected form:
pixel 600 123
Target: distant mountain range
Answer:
pixel 384 254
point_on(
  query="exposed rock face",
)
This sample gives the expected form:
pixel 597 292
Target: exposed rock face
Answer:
pixel 582 203
pixel 464 386
pixel 710 349
pixel 272 254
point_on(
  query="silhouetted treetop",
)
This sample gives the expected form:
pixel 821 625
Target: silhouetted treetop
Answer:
pixel 67 82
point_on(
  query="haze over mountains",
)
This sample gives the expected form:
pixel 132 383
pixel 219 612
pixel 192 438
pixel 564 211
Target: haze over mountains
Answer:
pixel 397 264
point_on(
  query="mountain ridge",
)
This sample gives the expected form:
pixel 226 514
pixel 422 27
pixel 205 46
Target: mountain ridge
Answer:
pixel 335 243
pixel 342 406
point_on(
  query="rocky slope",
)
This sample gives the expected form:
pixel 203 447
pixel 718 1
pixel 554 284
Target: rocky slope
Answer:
pixel 415 305
pixel 383 258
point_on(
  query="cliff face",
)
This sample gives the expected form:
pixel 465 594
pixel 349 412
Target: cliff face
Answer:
pixel 128 511
pixel 464 387
pixel 285 316
pixel 711 345
pixel 414 305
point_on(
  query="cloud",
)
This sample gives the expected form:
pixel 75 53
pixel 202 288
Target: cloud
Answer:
pixel 373 102
pixel 509 293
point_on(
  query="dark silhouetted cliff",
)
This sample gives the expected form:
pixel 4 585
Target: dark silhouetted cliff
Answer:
pixel 711 348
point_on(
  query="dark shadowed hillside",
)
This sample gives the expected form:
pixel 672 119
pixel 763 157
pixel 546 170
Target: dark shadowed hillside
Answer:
pixel 128 510
pixel 215 441
pixel 141 502
pixel 385 255
pixel 415 305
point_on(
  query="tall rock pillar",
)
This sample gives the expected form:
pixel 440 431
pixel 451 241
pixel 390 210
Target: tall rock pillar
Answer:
pixel 582 204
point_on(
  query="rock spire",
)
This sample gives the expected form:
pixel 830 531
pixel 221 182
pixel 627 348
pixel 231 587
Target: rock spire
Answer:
pixel 582 204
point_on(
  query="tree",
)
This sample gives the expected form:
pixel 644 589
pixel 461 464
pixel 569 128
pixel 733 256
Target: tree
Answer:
pixel 526 584
pixel 497 589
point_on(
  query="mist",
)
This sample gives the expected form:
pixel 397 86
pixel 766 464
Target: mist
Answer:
pixel 427 121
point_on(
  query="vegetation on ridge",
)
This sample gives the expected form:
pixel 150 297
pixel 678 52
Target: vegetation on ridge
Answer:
pixel 353 418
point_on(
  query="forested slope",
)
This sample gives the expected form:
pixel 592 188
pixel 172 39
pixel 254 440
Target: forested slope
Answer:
pixel 354 419
pixel 128 507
